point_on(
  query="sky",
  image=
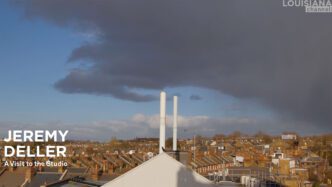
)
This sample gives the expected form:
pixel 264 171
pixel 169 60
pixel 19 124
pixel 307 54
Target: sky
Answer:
pixel 96 68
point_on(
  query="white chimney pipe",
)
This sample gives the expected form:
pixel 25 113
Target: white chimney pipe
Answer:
pixel 162 121
pixel 175 122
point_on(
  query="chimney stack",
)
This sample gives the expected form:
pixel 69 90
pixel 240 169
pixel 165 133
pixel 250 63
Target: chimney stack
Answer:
pixel 95 173
pixel 162 121
pixel 175 122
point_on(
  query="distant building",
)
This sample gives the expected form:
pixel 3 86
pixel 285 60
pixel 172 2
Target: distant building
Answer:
pixel 288 137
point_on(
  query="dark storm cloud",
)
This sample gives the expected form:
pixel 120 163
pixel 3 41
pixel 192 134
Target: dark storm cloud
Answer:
pixel 195 97
pixel 248 49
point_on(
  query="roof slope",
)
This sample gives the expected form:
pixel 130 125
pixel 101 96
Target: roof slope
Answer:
pixel 14 178
pixel 161 171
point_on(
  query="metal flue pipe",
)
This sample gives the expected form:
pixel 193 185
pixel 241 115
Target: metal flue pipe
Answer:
pixel 175 122
pixel 162 121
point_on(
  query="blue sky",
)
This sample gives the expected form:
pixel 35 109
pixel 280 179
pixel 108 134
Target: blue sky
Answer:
pixel 34 54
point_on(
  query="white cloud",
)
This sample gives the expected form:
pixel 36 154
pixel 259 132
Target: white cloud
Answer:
pixel 140 125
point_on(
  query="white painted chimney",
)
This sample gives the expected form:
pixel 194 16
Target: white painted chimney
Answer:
pixel 175 122
pixel 162 121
